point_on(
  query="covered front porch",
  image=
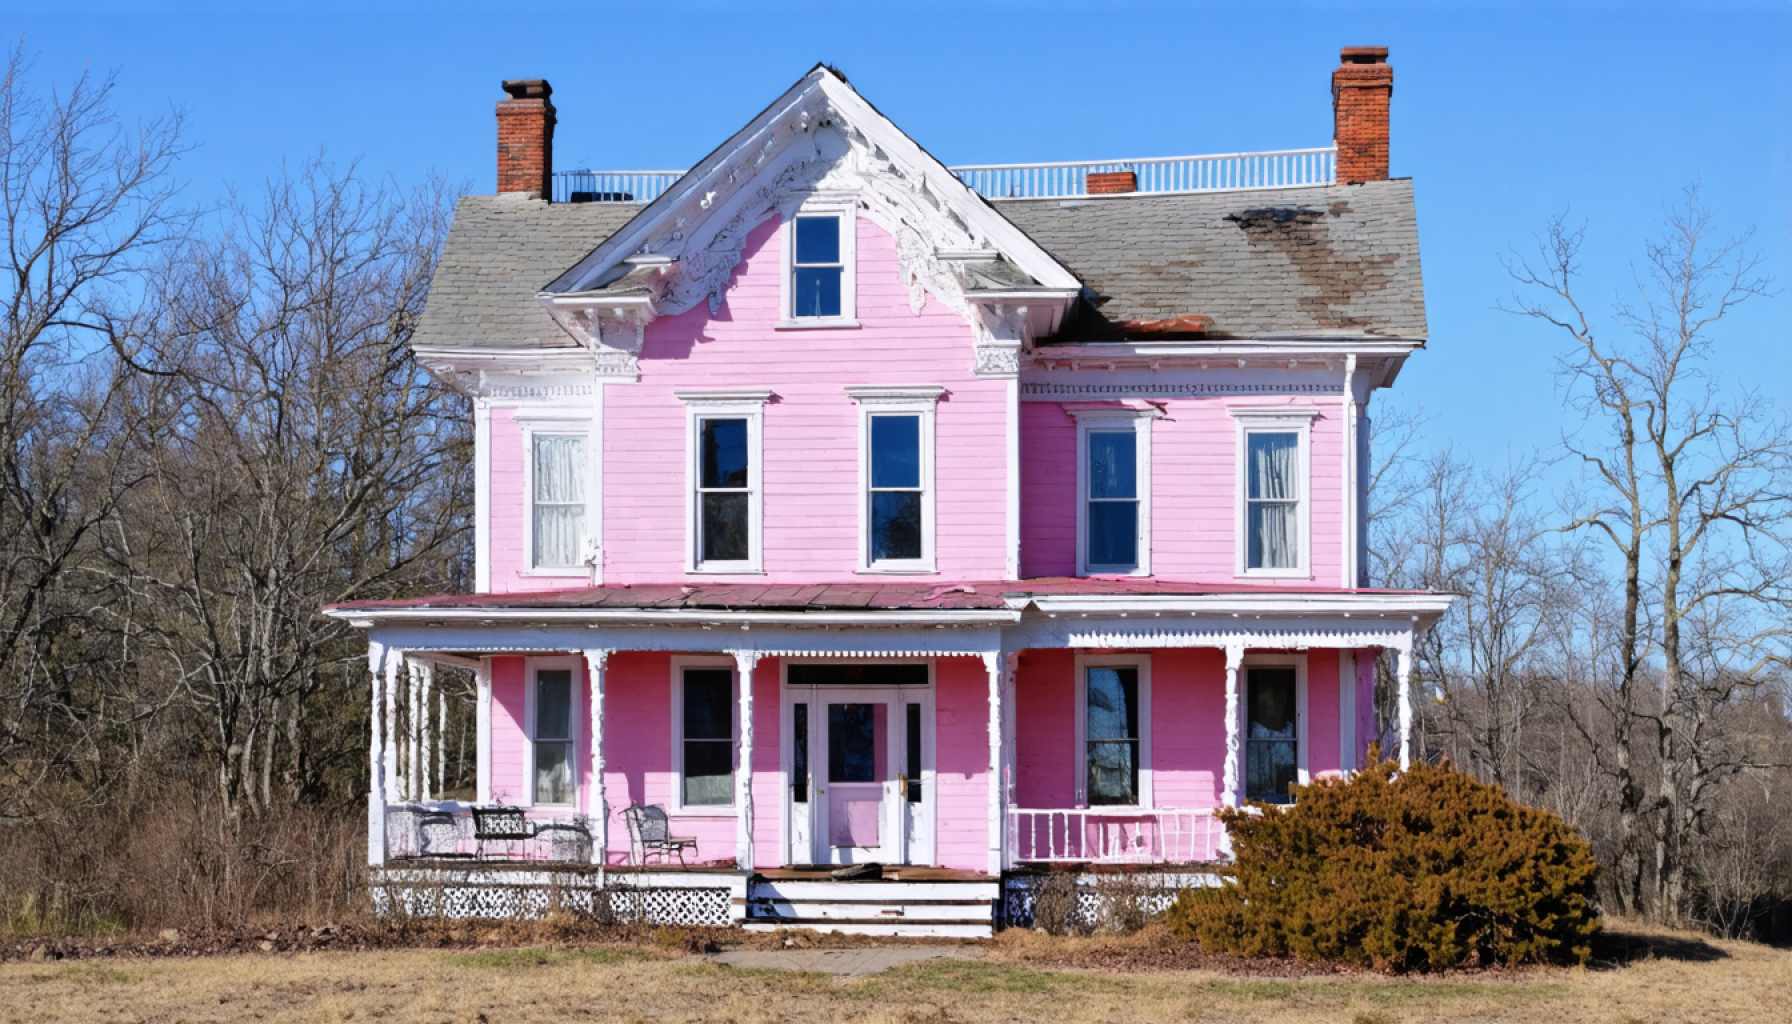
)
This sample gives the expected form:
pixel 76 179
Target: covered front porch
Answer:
pixel 1039 730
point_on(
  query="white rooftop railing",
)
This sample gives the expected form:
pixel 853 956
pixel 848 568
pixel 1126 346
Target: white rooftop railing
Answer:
pixel 1063 179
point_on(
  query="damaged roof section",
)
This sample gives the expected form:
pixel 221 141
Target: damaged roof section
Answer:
pixel 1326 261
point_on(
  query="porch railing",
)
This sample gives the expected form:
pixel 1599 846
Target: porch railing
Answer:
pixel 1057 179
pixel 1099 835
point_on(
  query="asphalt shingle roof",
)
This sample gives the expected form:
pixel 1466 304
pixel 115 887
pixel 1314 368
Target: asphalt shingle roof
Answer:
pixel 1339 259
pixel 1333 259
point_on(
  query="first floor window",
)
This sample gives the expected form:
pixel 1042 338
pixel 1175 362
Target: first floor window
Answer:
pixel 553 736
pixel 724 493
pixel 557 500
pixel 1272 499
pixel 896 490
pixel 1271 736
pixel 1112 517
pixel 707 737
pixel 1111 733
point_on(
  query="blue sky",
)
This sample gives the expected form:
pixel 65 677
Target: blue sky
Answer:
pixel 1504 116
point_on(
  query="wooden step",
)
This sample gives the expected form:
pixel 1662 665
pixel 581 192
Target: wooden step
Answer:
pixel 830 891
pixel 889 910
pixel 982 928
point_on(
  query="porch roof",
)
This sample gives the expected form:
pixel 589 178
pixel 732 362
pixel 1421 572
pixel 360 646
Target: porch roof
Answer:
pixel 994 596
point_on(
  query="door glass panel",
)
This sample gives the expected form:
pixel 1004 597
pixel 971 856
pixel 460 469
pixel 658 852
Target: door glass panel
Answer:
pixel 913 767
pixel 856 738
pixel 799 767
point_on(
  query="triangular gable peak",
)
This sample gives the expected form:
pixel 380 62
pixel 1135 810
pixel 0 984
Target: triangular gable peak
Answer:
pixel 820 138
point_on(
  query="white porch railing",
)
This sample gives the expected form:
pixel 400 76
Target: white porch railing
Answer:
pixel 1060 179
pixel 1101 835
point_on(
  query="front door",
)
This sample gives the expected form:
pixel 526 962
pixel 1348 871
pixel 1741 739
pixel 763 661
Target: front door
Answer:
pixel 864 796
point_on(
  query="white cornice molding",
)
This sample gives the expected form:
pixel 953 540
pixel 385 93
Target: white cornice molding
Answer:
pixel 894 394
pixel 723 396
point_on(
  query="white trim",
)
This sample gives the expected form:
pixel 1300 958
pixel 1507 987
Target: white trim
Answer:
pixel 594 526
pixel 1348 551
pixel 1296 420
pixel 845 213
pixel 557 421
pixel 675 803
pixel 1369 605
pixel 482 495
pixel 482 732
pixel 1084 662
pixel 738 403
pixel 921 402
pixel 1110 419
pixel 532 667
pixel 1298 662
pixel 676 616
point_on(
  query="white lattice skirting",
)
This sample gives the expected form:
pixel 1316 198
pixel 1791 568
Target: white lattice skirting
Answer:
pixel 1096 893
pixel 477 895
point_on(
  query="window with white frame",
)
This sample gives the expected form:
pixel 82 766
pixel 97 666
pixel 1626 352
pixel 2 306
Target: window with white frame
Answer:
pixel 896 470
pixel 1273 487
pixel 818 258
pixel 705 740
pixel 1113 719
pixel 1114 492
pixel 725 497
pixel 551 737
pixel 557 501
pixel 1272 732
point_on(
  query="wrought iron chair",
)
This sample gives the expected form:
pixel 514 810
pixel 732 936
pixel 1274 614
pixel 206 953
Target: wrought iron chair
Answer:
pixel 566 841
pixel 500 824
pixel 649 833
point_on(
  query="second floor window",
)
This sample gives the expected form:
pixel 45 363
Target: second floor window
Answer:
pixel 1114 491
pixel 1272 499
pixel 724 494
pixel 896 491
pixel 557 501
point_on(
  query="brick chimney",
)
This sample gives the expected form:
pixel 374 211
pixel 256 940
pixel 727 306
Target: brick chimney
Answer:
pixel 1361 88
pixel 1107 183
pixel 526 138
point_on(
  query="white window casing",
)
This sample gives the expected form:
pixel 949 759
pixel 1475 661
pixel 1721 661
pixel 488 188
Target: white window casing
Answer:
pixel 532 669
pixel 843 208
pixel 742 404
pixel 675 802
pixel 921 402
pixel 1106 419
pixel 1274 420
pixel 550 427
pixel 1142 663
pixel 1298 662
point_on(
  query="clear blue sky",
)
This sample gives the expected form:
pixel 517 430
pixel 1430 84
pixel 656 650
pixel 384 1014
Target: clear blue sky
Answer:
pixel 1504 116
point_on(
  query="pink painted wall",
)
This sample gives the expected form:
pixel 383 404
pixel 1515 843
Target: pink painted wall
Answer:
pixel 1194 475
pixel 639 764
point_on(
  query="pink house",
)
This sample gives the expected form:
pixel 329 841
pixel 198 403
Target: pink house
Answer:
pixel 836 506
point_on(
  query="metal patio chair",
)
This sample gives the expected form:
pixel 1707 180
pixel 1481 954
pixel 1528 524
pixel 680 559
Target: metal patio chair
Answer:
pixel 649 833
pixel 439 836
pixel 508 825
pixel 565 841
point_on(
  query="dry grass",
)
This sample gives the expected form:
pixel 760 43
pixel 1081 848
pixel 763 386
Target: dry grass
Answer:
pixel 1666 978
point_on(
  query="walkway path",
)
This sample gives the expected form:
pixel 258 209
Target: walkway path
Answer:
pixel 845 963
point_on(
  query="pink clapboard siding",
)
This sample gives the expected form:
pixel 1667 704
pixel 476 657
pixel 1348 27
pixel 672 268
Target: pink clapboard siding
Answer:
pixel 1194 474
pixel 639 764
pixel 811 432
pixel 1188 726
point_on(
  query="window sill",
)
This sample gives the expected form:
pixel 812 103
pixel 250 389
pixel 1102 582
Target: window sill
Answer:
pixel 727 570
pixel 896 570
pixel 1274 574
pixel 817 324
pixel 706 811
pixel 559 574
pixel 1093 571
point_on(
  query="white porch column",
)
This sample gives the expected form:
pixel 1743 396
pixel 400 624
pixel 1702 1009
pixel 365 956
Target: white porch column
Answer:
pixel 482 732
pixel 413 687
pixel 395 661
pixel 744 664
pixel 441 743
pixel 1403 683
pixel 992 664
pixel 1229 794
pixel 596 660
pixel 426 749
pixel 376 759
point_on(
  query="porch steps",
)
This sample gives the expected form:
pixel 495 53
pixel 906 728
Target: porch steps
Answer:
pixel 930 909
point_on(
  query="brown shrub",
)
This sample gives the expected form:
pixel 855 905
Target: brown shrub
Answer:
pixel 1422 870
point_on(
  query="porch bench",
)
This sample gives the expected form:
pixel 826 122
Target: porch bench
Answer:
pixel 499 823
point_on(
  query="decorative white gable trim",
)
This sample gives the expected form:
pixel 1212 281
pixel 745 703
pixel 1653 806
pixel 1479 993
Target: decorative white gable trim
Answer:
pixel 819 136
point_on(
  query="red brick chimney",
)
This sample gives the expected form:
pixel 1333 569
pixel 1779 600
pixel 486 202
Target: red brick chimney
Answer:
pixel 1361 88
pixel 1107 183
pixel 526 138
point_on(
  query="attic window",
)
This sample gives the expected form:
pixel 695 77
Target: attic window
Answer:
pixel 818 279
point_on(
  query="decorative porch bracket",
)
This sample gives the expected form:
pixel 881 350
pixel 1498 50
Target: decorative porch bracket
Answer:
pixel 596 660
pixel 1403 683
pixel 744 664
pixel 1229 794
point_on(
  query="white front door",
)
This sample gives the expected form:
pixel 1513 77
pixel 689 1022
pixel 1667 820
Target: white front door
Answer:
pixel 867 759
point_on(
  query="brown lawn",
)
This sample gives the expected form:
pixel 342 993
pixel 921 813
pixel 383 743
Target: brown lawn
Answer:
pixel 1664 978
